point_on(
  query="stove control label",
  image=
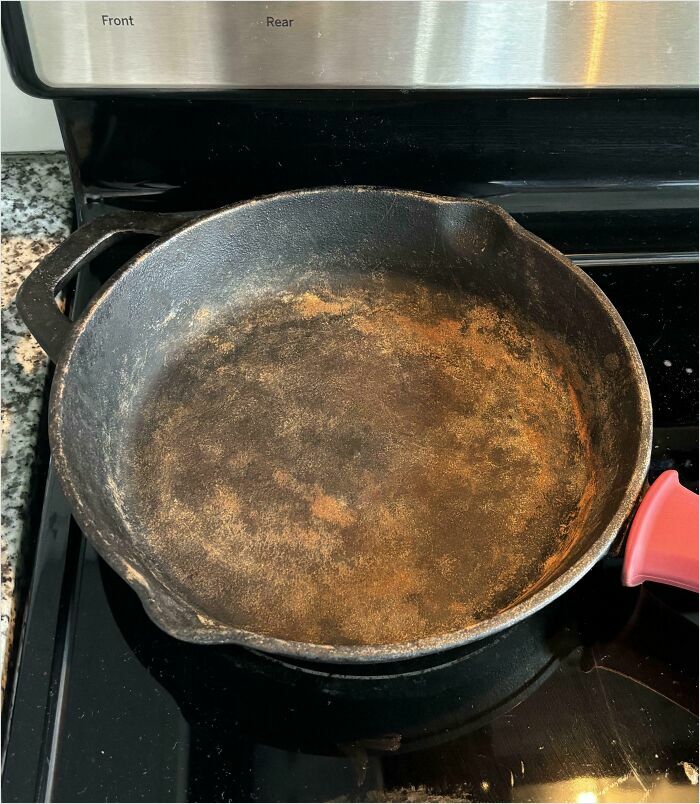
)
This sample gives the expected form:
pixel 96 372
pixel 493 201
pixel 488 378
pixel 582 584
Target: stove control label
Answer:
pixel 110 22
pixel 276 22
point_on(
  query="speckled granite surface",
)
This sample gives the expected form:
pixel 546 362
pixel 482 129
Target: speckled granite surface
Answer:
pixel 36 212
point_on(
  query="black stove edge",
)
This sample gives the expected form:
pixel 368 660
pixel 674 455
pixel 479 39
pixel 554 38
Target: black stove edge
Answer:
pixel 42 635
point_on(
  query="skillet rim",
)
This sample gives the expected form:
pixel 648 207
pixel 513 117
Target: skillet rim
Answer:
pixel 179 618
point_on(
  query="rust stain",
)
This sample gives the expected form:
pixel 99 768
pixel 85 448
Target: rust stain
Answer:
pixel 331 510
pixel 369 465
pixel 575 524
pixel 203 315
pixel 311 305
pixel 580 421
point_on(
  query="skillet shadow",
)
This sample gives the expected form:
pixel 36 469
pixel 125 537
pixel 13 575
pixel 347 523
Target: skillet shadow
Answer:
pixel 398 706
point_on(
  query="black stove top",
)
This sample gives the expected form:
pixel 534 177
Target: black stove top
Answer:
pixel 594 698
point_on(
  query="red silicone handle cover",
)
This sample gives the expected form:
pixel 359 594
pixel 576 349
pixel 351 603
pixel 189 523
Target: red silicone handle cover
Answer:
pixel 662 544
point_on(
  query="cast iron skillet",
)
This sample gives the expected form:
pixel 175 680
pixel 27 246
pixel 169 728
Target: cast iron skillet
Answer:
pixel 346 424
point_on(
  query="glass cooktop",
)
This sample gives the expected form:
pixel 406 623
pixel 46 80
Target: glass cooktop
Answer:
pixel 592 699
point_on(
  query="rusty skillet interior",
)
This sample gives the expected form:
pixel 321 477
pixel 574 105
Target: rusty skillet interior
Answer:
pixel 348 418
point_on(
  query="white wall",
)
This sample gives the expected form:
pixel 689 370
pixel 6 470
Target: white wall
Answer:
pixel 26 123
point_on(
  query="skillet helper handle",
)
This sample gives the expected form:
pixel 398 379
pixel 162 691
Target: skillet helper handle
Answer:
pixel 662 544
pixel 36 299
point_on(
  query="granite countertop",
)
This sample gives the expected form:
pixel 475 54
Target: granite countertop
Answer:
pixel 36 215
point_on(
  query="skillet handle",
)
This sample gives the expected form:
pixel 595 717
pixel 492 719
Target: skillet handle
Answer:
pixel 36 299
pixel 662 544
